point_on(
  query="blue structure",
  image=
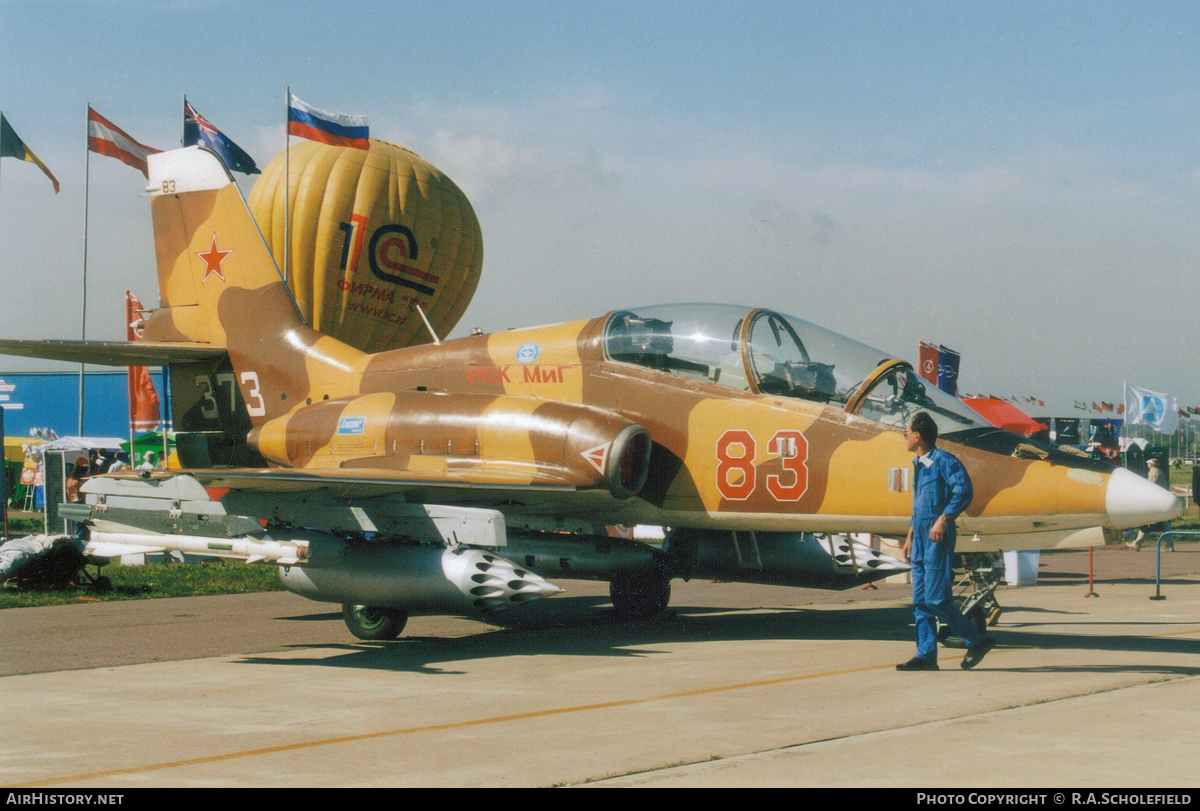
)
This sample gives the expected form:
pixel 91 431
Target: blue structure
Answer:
pixel 51 400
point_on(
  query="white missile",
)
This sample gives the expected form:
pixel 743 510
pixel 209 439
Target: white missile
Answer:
pixel 283 553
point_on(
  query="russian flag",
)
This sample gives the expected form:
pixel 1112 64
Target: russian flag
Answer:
pixel 338 129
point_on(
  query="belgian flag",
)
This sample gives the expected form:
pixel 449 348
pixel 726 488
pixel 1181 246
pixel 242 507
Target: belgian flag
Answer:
pixel 11 146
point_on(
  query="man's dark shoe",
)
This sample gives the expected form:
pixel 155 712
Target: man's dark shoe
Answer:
pixel 975 655
pixel 917 663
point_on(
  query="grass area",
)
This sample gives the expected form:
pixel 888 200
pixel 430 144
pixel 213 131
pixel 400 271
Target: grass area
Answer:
pixel 141 582
pixel 155 580
pixel 1190 520
pixel 1181 477
pixel 21 526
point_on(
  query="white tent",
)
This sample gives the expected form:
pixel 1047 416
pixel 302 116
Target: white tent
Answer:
pixel 83 443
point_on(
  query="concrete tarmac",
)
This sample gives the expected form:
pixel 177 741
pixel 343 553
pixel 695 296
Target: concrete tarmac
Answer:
pixel 734 686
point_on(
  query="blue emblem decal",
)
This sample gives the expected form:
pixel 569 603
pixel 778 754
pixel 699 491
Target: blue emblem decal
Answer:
pixel 1154 409
pixel 352 426
pixel 527 353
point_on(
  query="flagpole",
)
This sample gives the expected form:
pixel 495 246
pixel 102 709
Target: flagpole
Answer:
pixel 287 182
pixel 166 462
pixel 1 119
pixel 1125 422
pixel 129 319
pixel 87 164
pixel 167 422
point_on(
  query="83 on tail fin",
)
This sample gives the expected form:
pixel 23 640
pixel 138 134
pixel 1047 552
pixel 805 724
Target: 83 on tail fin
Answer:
pixel 220 285
pixel 207 247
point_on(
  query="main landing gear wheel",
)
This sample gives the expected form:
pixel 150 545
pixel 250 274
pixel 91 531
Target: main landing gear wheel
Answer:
pixel 373 623
pixel 640 595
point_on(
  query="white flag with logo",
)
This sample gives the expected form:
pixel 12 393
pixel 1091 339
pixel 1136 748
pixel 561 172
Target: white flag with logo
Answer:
pixel 1145 407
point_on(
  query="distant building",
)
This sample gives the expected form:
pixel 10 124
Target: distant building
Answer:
pixel 41 400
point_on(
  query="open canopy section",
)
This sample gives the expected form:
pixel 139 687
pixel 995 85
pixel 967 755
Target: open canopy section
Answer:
pixel 767 352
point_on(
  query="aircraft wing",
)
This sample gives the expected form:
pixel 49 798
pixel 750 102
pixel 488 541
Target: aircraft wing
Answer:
pixel 359 482
pixel 114 353
pixel 492 482
pixel 239 503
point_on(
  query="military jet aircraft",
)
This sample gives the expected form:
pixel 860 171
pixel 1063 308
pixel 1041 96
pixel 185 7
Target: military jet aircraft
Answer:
pixel 458 475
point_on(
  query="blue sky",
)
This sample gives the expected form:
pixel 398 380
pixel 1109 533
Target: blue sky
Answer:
pixel 1019 181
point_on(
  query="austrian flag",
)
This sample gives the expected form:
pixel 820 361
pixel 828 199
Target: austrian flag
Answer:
pixel 108 139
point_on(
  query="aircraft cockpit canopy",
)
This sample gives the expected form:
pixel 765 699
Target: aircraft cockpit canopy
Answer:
pixel 767 352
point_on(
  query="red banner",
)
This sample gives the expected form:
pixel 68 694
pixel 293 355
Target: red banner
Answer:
pixel 143 397
pixel 927 362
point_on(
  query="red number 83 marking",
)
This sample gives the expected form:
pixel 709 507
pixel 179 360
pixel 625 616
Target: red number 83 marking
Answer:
pixel 735 473
pixel 737 476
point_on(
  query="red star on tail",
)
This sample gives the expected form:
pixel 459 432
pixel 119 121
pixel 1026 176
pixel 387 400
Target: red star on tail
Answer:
pixel 213 258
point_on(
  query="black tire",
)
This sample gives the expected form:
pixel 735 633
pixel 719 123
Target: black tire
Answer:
pixel 640 595
pixel 373 623
pixel 102 585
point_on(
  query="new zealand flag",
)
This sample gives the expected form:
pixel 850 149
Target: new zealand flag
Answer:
pixel 197 130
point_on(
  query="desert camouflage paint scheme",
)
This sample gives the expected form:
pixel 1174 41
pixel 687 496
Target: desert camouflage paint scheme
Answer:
pixel 623 418
pixel 457 476
pixel 703 416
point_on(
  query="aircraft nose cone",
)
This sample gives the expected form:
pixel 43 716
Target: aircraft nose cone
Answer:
pixel 1132 501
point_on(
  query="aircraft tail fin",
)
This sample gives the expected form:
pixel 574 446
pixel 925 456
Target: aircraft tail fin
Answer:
pixel 209 251
pixel 220 286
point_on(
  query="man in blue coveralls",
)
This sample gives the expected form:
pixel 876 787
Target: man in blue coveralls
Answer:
pixel 941 492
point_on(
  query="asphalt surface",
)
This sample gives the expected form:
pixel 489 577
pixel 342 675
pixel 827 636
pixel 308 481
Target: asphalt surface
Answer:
pixel 734 685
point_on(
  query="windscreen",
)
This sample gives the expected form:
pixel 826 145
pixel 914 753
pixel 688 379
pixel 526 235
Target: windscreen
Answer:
pixel 784 356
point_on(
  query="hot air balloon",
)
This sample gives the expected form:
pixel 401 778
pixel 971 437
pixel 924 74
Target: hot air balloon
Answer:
pixel 374 233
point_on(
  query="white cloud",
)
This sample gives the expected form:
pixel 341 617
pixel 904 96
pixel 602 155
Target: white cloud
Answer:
pixel 480 164
pixel 270 140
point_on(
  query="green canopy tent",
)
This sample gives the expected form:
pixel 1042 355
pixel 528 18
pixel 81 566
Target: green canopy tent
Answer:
pixel 152 441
